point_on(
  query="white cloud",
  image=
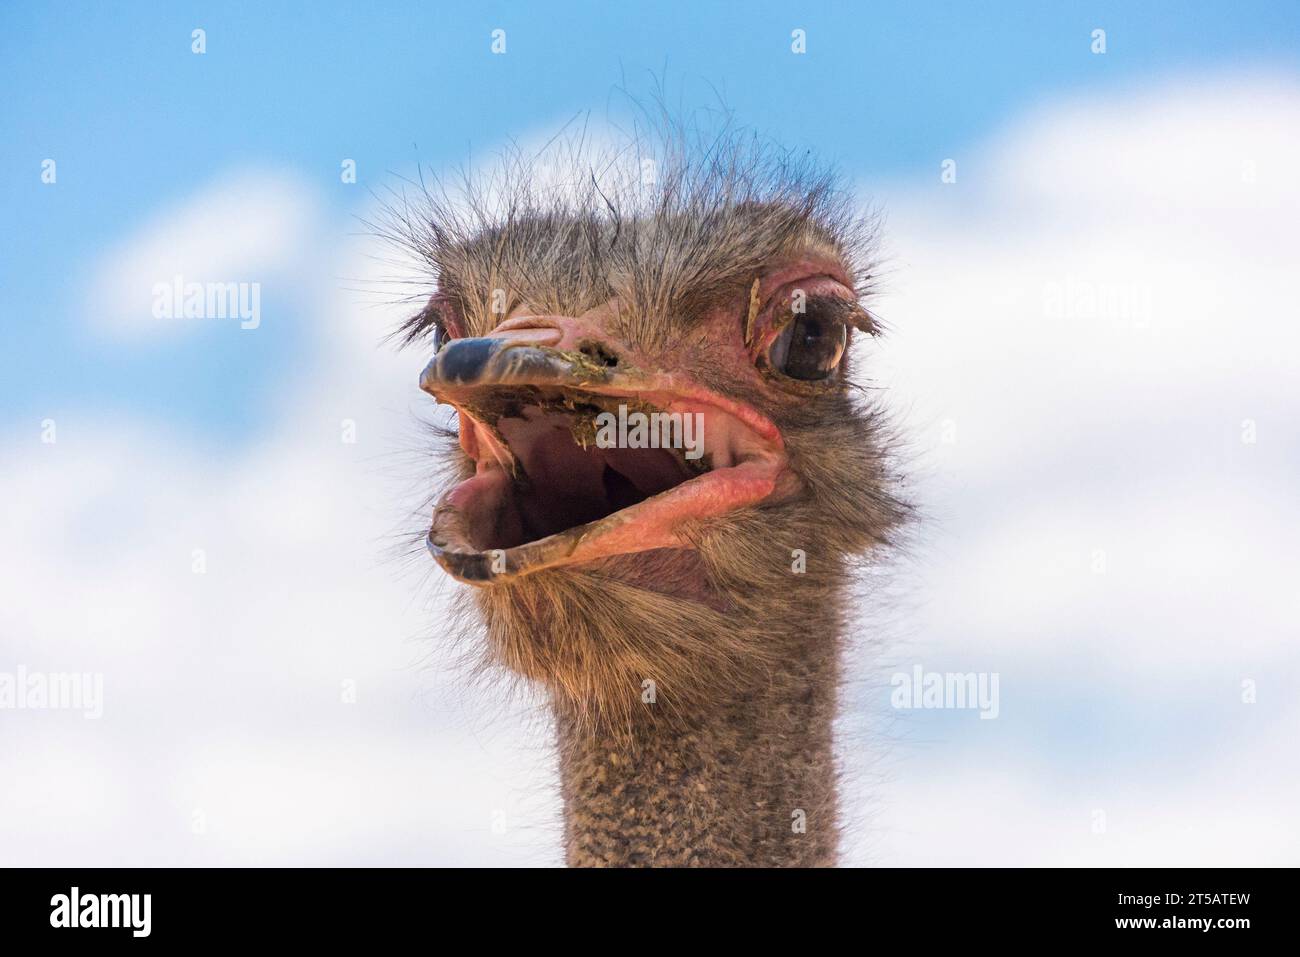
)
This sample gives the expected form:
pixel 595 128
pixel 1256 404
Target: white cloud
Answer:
pixel 1175 153
pixel 1098 530
pixel 247 227
pixel 1077 429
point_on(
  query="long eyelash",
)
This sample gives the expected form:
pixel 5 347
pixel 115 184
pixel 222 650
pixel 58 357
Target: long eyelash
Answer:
pixel 438 329
pixel 754 305
pixel 863 321
pixel 427 323
pixel 850 313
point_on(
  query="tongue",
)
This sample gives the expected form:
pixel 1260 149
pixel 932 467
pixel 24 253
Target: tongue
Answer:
pixel 651 470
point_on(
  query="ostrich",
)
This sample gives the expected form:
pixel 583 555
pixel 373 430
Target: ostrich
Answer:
pixel 684 615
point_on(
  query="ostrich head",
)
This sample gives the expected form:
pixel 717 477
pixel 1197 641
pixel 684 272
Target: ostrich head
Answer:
pixel 716 296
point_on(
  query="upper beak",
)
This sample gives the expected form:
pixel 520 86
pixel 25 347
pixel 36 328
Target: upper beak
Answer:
pixel 503 362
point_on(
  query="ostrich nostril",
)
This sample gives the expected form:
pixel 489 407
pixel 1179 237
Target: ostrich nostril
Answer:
pixel 598 354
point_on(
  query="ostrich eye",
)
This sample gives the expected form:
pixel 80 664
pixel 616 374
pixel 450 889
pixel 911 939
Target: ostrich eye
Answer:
pixel 811 346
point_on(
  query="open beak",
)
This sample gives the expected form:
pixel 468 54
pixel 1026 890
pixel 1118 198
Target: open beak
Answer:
pixel 580 456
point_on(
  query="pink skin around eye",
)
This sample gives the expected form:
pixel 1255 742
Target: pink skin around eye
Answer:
pixel 806 270
pixel 449 316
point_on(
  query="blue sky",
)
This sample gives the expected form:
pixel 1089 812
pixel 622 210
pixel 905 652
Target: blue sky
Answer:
pixel 137 123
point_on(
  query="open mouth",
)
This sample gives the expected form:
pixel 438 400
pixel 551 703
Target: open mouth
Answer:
pixel 576 461
pixel 563 477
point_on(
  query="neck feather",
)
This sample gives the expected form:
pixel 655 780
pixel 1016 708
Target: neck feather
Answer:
pixel 748 780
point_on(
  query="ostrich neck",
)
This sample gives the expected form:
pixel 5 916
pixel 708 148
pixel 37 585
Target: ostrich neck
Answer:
pixel 748 782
